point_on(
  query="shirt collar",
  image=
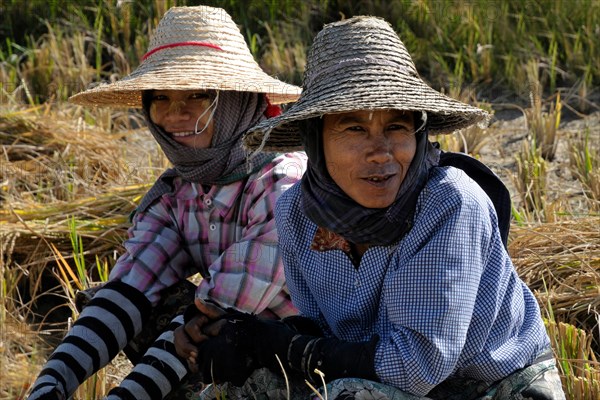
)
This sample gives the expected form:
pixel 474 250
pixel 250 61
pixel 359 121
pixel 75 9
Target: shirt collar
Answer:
pixel 223 197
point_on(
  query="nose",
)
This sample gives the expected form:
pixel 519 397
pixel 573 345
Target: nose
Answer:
pixel 379 148
pixel 178 111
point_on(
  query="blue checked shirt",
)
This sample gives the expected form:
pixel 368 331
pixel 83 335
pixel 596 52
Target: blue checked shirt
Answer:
pixel 446 300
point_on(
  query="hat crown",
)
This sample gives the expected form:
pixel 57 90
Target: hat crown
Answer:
pixel 203 24
pixel 365 41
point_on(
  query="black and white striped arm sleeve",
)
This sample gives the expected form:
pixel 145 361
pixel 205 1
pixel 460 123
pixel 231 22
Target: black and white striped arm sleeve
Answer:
pixel 111 319
pixel 159 372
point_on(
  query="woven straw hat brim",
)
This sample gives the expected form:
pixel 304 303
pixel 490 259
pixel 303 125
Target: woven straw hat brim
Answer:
pixel 356 89
pixel 217 59
pixel 127 93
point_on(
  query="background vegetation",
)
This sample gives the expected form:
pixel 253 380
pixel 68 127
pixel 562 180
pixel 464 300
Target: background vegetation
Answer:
pixel 69 177
pixel 486 43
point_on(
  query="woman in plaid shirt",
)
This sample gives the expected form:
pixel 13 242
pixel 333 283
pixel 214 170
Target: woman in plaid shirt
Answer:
pixel 212 213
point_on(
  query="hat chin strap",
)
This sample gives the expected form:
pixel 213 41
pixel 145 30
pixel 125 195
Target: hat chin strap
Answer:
pixel 424 121
pixel 212 108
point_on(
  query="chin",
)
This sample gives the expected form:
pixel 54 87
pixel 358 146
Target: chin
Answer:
pixel 191 141
pixel 375 203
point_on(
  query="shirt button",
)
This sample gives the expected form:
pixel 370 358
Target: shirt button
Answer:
pixel 356 283
pixel 208 202
pixel 212 227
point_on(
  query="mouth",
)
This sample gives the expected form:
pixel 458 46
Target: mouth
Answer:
pixel 183 134
pixel 379 180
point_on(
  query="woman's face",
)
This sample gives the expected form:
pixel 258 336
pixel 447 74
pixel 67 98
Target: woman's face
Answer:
pixel 368 153
pixel 182 113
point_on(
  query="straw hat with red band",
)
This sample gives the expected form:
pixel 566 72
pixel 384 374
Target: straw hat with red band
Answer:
pixel 192 48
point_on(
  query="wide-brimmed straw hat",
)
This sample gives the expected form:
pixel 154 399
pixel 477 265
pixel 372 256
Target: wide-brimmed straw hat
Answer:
pixel 192 48
pixel 360 64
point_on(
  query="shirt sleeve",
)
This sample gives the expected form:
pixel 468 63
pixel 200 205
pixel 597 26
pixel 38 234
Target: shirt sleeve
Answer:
pixel 285 214
pixel 430 295
pixel 306 304
pixel 249 275
pixel 154 257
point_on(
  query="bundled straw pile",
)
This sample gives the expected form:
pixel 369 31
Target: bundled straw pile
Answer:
pixel 560 262
pixel 58 175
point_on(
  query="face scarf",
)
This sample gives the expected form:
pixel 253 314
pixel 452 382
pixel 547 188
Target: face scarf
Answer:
pixel 222 163
pixel 324 203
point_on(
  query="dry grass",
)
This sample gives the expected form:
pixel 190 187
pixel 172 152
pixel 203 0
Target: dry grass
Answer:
pixel 58 168
pixel 585 165
pixel 542 125
pixel 61 159
pixel 577 363
pixel 530 180
pixel 469 140
pixel 20 357
pixel 560 262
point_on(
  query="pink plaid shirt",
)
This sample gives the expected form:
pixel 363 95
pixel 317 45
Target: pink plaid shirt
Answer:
pixel 227 234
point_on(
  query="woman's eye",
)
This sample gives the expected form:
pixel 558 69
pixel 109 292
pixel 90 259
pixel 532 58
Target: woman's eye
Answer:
pixel 355 128
pixel 199 96
pixel 398 127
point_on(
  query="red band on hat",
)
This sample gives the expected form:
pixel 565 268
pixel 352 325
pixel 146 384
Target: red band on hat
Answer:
pixel 272 110
pixel 168 46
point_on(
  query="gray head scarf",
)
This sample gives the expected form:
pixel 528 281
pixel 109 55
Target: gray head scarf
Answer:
pixel 222 163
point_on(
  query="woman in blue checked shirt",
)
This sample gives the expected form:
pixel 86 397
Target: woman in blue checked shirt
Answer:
pixel 396 263
pixel 212 213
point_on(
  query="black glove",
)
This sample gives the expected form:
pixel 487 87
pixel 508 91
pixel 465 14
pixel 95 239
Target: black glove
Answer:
pixel 303 353
pixel 303 325
pixel 333 357
pixel 227 357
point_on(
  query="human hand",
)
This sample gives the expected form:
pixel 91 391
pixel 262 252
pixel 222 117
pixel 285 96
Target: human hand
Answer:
pixel 185 348
pixel 253 338
pixel 201 321
pixel 214 313
pixel 228 356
